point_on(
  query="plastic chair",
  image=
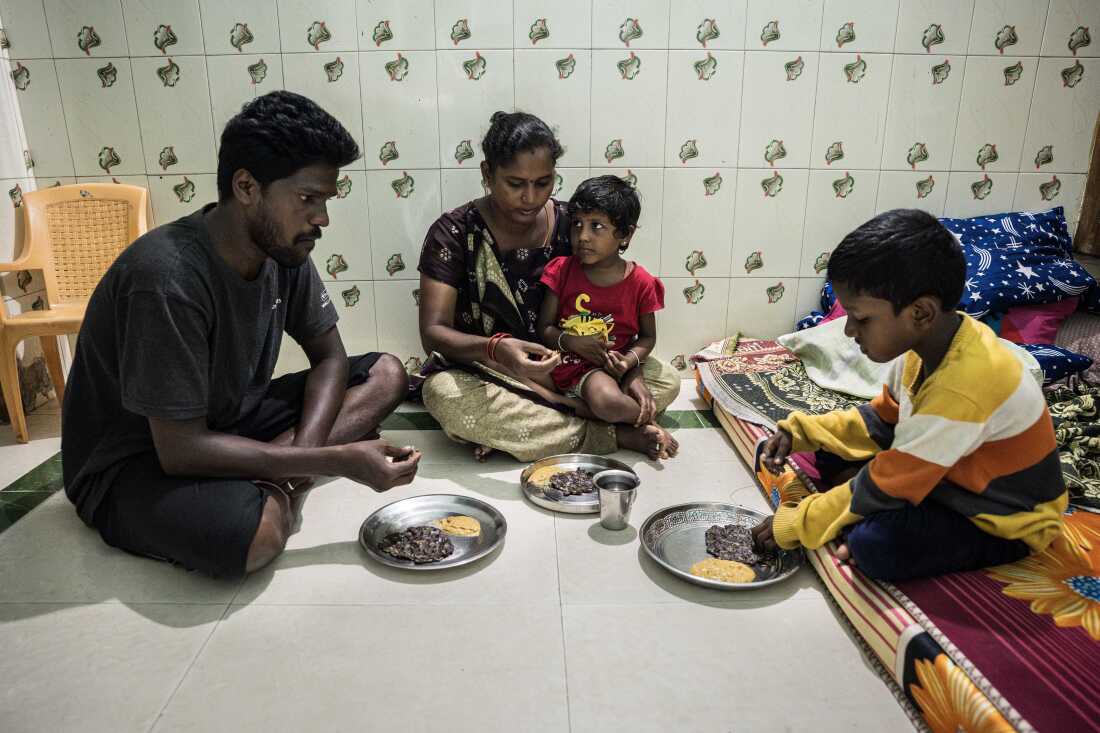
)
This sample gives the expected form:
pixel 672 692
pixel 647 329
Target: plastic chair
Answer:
pixel 72 234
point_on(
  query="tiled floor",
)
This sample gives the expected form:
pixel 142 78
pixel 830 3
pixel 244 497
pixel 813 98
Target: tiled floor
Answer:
pixel 568 627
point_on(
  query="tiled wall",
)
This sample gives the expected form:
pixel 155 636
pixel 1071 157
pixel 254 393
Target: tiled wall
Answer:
pixel 757 131
pixel 20 291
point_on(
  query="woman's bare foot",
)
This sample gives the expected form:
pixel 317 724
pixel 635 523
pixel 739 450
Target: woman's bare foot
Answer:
pixel 652 440
pixel 482 453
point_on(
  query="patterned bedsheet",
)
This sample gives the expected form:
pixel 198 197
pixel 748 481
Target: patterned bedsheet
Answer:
pixel 1015 647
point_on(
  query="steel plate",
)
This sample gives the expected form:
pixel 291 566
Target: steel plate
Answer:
pixel 421 510
pixel 555 501
pixel 675 537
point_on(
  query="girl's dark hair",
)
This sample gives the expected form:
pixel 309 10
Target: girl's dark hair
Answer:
pixel 511 133
pixel 899 256
pixel 609 195
pixel 278 134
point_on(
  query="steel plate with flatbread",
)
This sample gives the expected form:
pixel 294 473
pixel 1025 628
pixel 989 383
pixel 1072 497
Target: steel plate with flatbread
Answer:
pixel 542 495
pixel 675 537
pixel 423 510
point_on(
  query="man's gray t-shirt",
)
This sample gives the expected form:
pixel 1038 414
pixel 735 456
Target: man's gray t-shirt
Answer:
pixel 173 332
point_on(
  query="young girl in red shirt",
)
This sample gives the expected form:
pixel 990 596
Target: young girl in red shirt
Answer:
pixel 599 308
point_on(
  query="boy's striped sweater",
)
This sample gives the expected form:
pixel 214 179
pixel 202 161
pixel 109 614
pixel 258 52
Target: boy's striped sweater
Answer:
pixel 975 436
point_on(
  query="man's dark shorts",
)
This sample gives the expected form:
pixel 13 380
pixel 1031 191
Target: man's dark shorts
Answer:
pixel 204 524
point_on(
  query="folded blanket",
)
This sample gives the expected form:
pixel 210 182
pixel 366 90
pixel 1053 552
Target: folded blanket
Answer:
pixel 762 383
pixel 834 361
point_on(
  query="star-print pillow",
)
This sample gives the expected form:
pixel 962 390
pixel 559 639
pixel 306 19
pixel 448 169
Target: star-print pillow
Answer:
pixel 1057 362
pixel 827 312
pixel 1020 258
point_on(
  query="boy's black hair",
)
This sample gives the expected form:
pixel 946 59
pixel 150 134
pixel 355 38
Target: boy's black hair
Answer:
pixel 899 256
pixel 612 196
pixel 511 133
pixel 278 134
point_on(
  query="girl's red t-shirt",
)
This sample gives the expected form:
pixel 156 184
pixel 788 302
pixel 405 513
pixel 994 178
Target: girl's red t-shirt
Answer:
pixel 587 309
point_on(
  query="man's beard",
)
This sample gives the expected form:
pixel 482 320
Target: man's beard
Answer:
pixel 265 233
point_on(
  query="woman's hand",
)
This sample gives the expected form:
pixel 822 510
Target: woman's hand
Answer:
pixel 526 358
pixel 592 349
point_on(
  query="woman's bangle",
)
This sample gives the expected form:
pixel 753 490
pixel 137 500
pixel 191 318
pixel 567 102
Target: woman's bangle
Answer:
pixel 493 348
pixel 491 345
pixel 560 334
pixel 637 359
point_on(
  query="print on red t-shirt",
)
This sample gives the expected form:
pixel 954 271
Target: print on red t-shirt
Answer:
pixel 586 309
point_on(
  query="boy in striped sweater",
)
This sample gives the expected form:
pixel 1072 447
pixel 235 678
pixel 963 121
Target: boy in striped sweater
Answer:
pixel 957 463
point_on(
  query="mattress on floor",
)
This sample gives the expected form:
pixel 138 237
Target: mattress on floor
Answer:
pixel 1012 648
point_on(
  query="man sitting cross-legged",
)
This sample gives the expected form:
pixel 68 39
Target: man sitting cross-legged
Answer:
pixel 176 442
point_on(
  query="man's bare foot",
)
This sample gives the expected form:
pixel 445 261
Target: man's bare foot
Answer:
pixel 482 453
pixel 298 489
pixel 651 440
pixel 845 555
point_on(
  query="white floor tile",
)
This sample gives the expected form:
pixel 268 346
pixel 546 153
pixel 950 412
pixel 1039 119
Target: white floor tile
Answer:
pixel 105 667
pixel 49 556
pixel 689 398
pixel 325 639
pixel 324 563
pixel 720 668
pixel 419 668
pixel 18 458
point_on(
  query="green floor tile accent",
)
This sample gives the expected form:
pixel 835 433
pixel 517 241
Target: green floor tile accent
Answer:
pixel 41 482
pixel 46 476
pixel 410 421
pixel 680 419
pixel 29 490
pixel 671 419
pixel 14 505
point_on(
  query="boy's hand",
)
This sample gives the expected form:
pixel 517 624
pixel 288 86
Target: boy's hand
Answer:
pixel 617 364
pixel 592 349
pixel 762 537
pixel 776 450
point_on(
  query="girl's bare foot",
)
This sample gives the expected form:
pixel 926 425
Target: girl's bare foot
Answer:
pixel 651 440
pixel 672 446
pixel 482 453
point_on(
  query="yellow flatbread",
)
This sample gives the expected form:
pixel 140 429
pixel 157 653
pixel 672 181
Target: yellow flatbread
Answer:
pixel 459 525
pixel 727 571
pixel 541 476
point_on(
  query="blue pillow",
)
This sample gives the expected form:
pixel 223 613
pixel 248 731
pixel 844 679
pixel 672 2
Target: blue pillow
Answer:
pixel 828 298
pixel 1056 362
pixel 1021 258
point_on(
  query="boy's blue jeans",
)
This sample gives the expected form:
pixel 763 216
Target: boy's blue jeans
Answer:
pixel 919 541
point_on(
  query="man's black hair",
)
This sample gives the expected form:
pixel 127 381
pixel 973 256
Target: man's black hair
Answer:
pixel 278 134
pixel 512 133
pixel 899 256
pixel 612 196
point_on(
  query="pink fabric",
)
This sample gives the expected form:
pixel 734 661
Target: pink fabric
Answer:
pixel 837 311
pixel 1036 324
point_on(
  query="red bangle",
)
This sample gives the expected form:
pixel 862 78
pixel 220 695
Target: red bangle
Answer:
pixel 491 345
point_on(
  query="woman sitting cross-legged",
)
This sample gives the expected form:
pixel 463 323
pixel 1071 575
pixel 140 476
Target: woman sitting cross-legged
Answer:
pixel 480 299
